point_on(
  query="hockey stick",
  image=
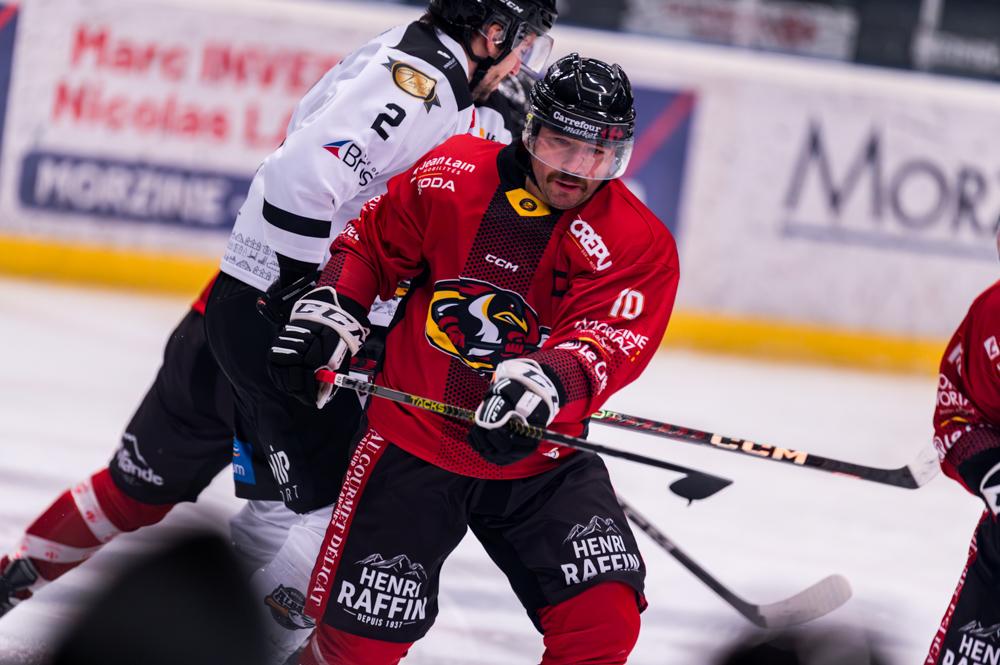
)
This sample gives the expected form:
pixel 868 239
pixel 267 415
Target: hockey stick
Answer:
pixel 818 600
pixel 693 486
pixel 912 476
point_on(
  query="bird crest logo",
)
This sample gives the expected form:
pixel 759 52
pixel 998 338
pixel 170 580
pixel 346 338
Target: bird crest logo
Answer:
pixel 481 324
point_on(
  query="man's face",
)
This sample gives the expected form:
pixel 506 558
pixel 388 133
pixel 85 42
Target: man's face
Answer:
pixel 562 154
pixel 509 66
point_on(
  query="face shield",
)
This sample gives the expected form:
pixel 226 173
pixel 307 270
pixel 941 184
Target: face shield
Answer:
pixel 534 50
pixel 532 47
pixel 577 146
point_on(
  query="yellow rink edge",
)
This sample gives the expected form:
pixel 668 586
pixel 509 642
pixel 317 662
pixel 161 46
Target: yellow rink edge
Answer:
pixel 793 342
pixel 103 266
pixel 756 338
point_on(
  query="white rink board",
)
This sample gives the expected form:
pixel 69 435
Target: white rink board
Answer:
pixel 885 226
pixel 913 160
pixel 196 94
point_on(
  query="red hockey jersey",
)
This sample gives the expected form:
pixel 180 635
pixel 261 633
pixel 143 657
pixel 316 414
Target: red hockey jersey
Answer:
pixel 202 301
pixel 496 274
pixel 967 416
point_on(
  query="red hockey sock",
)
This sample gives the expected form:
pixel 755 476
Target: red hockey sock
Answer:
pixel 597 627
pixel 329 646
pixel 80 522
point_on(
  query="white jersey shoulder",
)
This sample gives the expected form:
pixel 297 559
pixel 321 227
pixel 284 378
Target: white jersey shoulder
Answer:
pixel 493 120
pixel 369 118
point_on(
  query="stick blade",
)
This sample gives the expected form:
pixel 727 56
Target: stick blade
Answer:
pixel 926 468
pixel 812 603
pixel 697 486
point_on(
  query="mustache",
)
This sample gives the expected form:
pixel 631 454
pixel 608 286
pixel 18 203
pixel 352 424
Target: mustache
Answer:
pixel 565 177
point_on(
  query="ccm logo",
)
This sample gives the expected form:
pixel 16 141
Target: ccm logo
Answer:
pixel 513 6
pixel 501 263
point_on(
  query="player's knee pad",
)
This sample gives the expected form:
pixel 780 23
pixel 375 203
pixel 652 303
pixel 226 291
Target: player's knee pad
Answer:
pixel 599 626
pixel 329 646
pixel 121 510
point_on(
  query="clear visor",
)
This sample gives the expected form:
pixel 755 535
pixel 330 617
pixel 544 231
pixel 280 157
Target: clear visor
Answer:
pixel 585 157
pixel 531 47
pixel 534 51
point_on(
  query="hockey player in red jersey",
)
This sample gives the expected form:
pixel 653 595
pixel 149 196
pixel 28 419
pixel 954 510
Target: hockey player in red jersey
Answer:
pixel 967 438
pixel 541 286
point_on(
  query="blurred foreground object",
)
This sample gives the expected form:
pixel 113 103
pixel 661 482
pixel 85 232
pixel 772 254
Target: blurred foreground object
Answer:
pixel 186 604
pixel 839 647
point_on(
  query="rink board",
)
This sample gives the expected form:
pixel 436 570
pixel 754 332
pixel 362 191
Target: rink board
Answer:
pixel 823 211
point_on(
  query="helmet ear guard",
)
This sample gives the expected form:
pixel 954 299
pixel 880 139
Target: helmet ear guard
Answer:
pixel 582 118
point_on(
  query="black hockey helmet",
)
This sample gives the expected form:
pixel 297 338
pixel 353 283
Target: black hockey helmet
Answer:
pixel 587 106
pixel 462 19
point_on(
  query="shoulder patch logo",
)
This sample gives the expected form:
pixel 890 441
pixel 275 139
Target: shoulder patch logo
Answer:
pixel 414 82
pixel 526 205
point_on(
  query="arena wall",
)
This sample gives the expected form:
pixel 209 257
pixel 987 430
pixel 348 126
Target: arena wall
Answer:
pixel 824 211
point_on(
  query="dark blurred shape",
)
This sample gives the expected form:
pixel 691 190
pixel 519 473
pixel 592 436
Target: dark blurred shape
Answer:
pixel 886 33
pixel 839 647
pixel 780 651
pixel 605 15
pixel 972 18
pixel 186 604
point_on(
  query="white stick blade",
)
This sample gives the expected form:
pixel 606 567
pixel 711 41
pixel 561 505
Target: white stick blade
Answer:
pixel 818 600
pixel 926 467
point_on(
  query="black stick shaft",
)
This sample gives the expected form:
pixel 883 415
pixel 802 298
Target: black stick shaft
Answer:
pixel 742 606
pixel 523 429
pixel 811 603
pixel 901 477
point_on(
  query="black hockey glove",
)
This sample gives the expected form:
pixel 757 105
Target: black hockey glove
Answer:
pixel 276 303
pixel 324 330
pixel 523 391
pixel 981 474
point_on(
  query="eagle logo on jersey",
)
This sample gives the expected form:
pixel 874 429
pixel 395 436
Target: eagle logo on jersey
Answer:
pixel 480 323
pixel 414 82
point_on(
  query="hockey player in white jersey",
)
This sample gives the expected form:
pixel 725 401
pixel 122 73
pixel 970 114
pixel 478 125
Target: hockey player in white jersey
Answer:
pixel 368 119
pixel 179 433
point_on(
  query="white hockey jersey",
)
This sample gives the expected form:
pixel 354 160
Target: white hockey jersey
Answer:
pixel 369 118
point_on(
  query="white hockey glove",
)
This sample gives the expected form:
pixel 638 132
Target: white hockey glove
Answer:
pixel 325 330
pixel 521 390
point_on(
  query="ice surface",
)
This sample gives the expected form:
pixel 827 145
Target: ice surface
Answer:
pixel 75 362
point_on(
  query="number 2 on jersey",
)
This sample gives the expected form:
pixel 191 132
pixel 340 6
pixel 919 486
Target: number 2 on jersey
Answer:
pixel 398 113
